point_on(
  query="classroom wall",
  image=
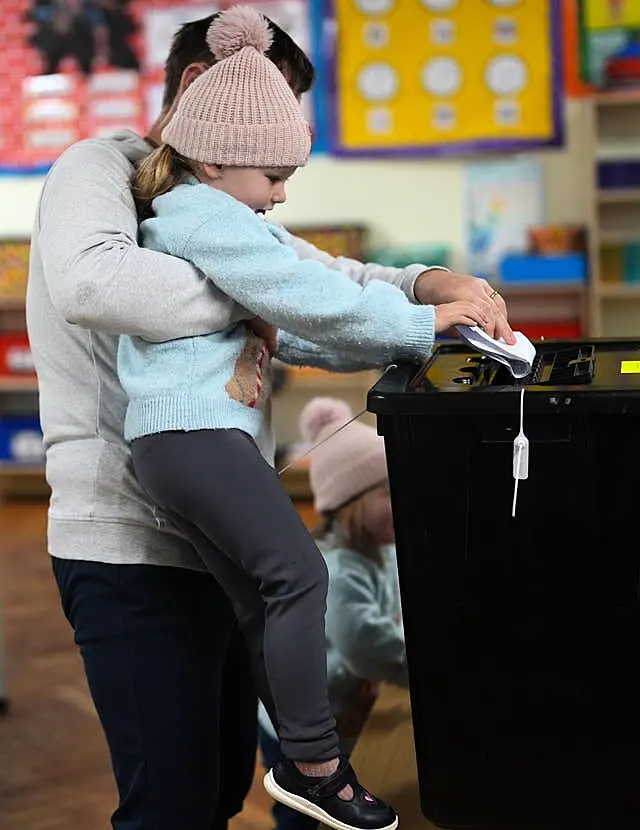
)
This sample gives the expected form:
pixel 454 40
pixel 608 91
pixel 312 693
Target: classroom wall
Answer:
pixel 403 202
pixel 417 201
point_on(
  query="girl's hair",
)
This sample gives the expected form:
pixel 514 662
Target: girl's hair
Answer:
pixel 158 173
pixel 347 523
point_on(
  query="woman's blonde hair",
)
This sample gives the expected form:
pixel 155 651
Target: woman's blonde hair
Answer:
pixel 158 173
pixel 348 523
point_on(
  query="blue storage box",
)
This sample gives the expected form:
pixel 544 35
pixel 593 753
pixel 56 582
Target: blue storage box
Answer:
pixel 21 441
pixel 618 174
pixel 561 268
pixel 631 262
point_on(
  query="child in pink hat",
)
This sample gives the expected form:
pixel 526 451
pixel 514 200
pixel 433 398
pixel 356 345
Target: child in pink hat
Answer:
pixel 198 408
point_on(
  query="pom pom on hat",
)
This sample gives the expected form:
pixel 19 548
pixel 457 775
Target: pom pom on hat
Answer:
pixel 348 463
pixel 236 28
pixel 321 413
pixel 240 112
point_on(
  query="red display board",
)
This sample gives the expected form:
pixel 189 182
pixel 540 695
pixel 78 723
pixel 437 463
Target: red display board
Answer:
pixel 72 69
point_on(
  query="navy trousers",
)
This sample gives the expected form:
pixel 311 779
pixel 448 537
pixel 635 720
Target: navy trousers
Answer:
pixel 169 675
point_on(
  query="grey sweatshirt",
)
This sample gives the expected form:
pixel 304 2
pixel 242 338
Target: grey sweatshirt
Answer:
pixel 89 282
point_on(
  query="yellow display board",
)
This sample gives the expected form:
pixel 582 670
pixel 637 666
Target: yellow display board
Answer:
pixel 442 75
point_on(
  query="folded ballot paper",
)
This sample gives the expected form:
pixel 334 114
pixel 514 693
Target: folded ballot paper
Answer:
pixel 517 358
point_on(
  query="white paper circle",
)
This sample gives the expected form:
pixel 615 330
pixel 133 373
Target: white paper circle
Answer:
pixel 506 75
pixel 442 76
pixel 378 82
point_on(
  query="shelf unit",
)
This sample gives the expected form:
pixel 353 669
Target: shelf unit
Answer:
pixel 619 196
pixel 613 133
pixel 542 303
pixel 18 396
pixel 9 385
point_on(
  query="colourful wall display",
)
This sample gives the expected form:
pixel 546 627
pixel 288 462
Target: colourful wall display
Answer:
pixel 78 68
pixel 446 76
pixel 395 77
pixel 610 42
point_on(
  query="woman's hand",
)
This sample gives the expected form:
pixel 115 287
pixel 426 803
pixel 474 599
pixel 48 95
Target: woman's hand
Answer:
pixel 438 287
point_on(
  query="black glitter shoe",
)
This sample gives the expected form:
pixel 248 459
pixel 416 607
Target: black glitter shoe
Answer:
pixel 318 798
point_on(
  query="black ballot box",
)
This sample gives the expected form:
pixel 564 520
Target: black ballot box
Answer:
pixel 523 634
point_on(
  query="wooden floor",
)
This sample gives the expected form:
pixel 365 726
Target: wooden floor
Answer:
pixel 54 768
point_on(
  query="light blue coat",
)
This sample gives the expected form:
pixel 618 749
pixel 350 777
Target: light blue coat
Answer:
pixel 221 380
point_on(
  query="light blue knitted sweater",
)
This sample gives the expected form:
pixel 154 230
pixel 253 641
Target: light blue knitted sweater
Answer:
pixel 221 380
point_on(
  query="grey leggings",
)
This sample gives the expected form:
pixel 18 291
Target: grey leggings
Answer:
pixel 219 491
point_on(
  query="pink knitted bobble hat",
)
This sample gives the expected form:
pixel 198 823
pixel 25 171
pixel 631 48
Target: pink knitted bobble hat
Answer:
pixel 241 111
pixel 349 463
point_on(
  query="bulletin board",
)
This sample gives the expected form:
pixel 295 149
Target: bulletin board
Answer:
pixel 609 42
pixel 437 77
pixel 73 69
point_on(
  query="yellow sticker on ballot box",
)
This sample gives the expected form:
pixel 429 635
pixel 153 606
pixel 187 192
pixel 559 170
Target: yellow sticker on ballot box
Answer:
pixel 630 367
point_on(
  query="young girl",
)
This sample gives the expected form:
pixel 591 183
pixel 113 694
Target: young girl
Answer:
pixel 365 639
pixel 197 406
